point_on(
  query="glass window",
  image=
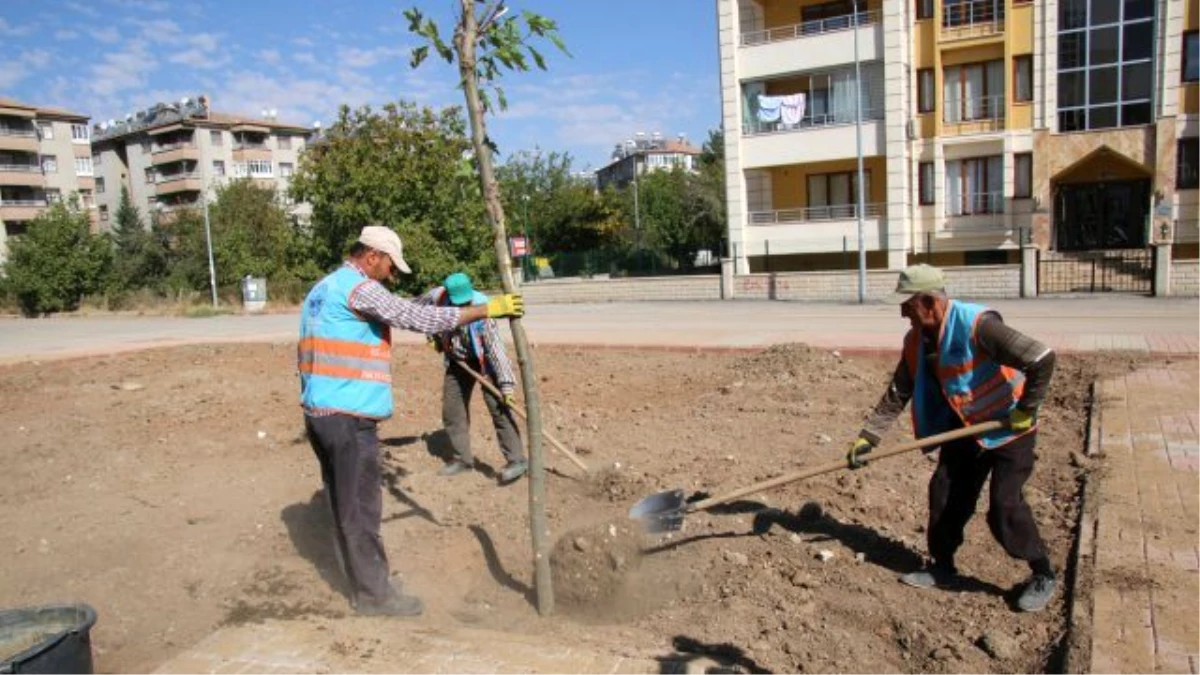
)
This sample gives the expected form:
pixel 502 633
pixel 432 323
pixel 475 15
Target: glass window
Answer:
pixel 53 195
pixel 1137 40
pixel 1072 14
pixel 925 182
pixel 83 166
pixel 1186 162
pixel 286 169
pixel 1139 9
pixel 1071 89
pixel 1137 80
pixel 1023 78
pixel 1135 113
pixel 1022 175
pixel 1102 85
pixel 99 186
pixel 1102 118
pixel 218 167
pixel 924 9
pixel 284 142
pixel 1105 11
pixel 79 132
pixel 1072 120
pixel 1191 56
pixel 1072 50
pixel 47 130
pixel 925 88
pixel 49 164
pixel 1103 46
pixel 216 137
pixel 103 212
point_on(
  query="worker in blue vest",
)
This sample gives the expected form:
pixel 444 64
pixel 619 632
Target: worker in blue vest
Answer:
pixel 961 366
pixel 476 345
pixel 344 359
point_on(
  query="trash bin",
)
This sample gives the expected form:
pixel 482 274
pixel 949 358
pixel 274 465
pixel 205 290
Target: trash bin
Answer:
pixel 254 294
pixel 50 639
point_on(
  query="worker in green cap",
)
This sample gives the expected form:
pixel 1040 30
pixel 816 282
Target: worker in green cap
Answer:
pixel 962 365
pixel 476 345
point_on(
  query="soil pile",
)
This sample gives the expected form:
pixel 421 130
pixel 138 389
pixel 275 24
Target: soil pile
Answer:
pixel 591 566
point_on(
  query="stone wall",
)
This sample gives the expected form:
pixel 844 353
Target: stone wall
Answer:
pixel 1185 278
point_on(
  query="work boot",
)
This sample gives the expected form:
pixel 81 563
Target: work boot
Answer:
pixel 513 471
pixel 397 604
pixel 932 576
pixel 454 468
pixel 1037 593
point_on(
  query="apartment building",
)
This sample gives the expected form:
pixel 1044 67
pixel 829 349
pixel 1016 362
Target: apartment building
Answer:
pixel 45 156
pixel 642 154
pixel 171 155
pixel 983 124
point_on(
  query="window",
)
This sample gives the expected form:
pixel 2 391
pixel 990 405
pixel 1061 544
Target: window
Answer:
pixel 218 167
pixel 215 137
pixel 83 166
pixel 46 130
pixel 974 91
pixel 1187 167
pixel 834 195
pixel 286 170
pixel 1105 63
pixel 99 186
pixel 239 169
pixel 1023 78
pixel 79 133
pixel 284 142
pixel 925 182
pixel 85 196
pixel 926 100
pixel 103 213
pixel 150 175
pixel 1023 175
pixel 260 168
pixel 53 195
pixel 145 146
pixel 96 159
pixel 49 164
pixel 924 9
pixel 974 186
pixel 1191 56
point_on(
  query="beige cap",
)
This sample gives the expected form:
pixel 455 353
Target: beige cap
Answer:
pixel 920 278
pixel 385 239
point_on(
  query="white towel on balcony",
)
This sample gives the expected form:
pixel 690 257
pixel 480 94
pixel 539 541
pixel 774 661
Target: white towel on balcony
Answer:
pixel 791 108
pixel 768 108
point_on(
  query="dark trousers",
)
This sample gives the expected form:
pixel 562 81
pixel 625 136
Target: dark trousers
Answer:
pixel 348 450
pixel 457 387
pixel 963 468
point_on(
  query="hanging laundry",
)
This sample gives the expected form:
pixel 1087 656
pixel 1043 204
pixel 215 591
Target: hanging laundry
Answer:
pixel 791 109
pixel 768 108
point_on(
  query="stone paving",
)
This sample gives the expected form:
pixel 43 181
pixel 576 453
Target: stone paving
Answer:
pixel 1144 535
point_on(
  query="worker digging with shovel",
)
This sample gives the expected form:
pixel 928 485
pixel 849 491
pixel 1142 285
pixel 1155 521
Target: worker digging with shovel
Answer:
pixel 961 365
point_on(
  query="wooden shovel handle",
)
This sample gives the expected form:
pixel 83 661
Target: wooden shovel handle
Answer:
pixel 516 408
pixel 841 464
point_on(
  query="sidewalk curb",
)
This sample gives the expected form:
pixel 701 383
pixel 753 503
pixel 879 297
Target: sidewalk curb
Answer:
pixel 1077 657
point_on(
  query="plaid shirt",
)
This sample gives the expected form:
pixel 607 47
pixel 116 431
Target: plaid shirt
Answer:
pixel 371 300
pixel 461 348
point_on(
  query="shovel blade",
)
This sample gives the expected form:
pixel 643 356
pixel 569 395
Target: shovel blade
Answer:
pixel 660 512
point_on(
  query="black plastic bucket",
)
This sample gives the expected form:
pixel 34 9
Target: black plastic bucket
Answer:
pixel 51 639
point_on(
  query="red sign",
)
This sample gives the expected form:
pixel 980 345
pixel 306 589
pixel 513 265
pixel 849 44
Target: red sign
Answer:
pixel 518 247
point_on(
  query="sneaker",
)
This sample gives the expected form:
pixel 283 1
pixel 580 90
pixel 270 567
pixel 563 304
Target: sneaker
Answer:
pixel 933 576
pixel 397 604
pixel 513 471
pixel 1037 593
pixel 454 468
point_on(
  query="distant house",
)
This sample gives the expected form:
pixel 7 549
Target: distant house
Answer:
pixel 641 155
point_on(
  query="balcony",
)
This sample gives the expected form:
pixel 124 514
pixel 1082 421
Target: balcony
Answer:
pixel 21 209
pixel 246 151
pixel 973 115
pixel 810 45
pixel 972 19
pixel 180 182
pixel 973 208
pixel 815 138
pixel 815 214
pixel 18 138
pixel 818 229
pixel 175 152
pixel 29 175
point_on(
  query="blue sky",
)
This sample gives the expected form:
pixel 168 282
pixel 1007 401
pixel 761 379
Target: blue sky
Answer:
pixel 635 65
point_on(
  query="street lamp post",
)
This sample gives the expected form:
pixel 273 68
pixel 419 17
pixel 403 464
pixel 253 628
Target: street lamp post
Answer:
pixel 525 267
pixel 212 269
pixel 862 250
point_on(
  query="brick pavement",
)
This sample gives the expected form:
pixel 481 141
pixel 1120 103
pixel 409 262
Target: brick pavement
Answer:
pixel 1144 535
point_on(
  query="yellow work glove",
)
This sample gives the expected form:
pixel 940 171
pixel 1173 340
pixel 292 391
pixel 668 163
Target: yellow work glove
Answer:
pixel 508 400
pixel 434 343
pixel 509 304
pixel 854 456
pixel 1021 420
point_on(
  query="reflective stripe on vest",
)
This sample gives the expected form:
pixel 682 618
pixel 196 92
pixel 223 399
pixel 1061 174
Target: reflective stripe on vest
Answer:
pixel 344 359
pixel 976 388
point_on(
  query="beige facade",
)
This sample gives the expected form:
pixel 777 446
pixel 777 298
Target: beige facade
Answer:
pixel 641 155
pixel 968 147
pixel 45 156
pixel 171 156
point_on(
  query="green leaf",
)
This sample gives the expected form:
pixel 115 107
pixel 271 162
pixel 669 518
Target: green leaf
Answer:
pixel 418 56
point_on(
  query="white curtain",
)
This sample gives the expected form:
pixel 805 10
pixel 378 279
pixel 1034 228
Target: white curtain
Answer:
pixel 954 192
pixel 995 89
pixel 952 99
pixel 817 195
pixel 973 92
pixel 843 96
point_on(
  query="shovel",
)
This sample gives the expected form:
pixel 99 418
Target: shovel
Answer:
pixel 487 384
pixel 665 511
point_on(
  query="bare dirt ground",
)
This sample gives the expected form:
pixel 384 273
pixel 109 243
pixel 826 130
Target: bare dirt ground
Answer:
pixel 172 490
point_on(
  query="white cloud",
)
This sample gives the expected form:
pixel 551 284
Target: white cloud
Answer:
pixel 107 35
pixel 303 41
pixel 14 31
pixel 122 71
pixel 84 9
pixel 36 58
pixel 353 57
pixel 142 5
pixel 299 100
pixel 62 34
pixel 271 56
pixel 11 74
pixel 200 58
pixel 304 57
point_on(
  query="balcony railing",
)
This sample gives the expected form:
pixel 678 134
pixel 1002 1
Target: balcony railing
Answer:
pixel 811 121
pixel 176 176
pixel 21 168
pixel 25 132
pixel 988 110
pixel 974 17
pixel 22 202
pixel 815 214
pixel 810 28
pixel 976 203
pixel 173 146
pixel 250 146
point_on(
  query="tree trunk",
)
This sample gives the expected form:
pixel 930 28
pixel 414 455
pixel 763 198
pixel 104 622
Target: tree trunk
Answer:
pixel 464 42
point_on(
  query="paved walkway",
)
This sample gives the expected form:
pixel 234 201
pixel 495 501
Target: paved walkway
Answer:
pixel 1146 546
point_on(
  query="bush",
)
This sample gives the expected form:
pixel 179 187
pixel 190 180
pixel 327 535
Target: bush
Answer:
pixel 57 262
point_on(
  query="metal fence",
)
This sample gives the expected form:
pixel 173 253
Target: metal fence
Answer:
pixel 1113 271
pixel 809 28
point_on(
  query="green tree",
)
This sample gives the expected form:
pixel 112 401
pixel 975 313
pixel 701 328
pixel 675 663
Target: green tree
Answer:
pixel 134 265
pixel 402 167
pixel 559 210
pixel 57 261
pixel 486 44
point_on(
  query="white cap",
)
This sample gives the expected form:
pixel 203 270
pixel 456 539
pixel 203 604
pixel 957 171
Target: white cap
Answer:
pixel 385 239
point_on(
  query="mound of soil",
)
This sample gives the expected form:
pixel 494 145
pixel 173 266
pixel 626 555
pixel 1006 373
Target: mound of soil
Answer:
pixel 590 566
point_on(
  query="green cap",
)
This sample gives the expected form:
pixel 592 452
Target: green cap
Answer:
pixel 458 285
pixel 918 279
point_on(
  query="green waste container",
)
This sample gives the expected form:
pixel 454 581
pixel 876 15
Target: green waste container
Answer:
pixel 49 639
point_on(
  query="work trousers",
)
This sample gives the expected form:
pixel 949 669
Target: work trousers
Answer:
pixel 963 468
pixel 457 388
pixel 347 448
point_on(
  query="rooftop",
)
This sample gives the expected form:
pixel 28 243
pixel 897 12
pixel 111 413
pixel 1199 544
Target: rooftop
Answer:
pixel 42 111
